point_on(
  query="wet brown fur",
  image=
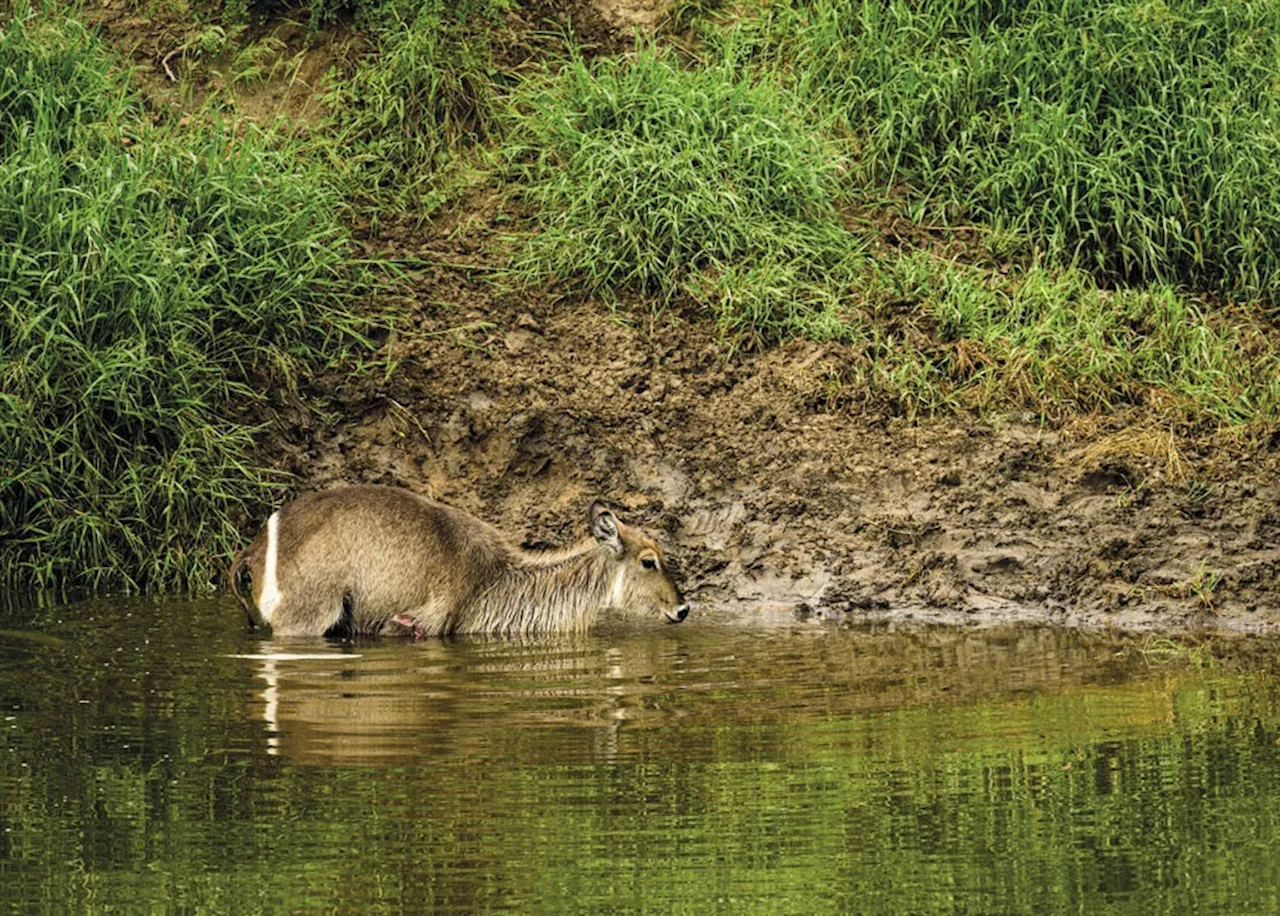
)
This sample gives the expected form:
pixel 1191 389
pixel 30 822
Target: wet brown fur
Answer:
pixel 378 553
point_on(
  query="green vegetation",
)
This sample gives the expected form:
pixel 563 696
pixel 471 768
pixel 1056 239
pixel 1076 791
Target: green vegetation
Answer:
pixel 1138 139
pixel 945 336
pixel 425 92
pixel 146 275
pixel 650 177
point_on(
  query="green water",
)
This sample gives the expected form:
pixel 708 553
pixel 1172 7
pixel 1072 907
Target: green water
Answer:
pixel 714 766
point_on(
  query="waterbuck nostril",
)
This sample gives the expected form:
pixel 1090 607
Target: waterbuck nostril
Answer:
pixel 682 612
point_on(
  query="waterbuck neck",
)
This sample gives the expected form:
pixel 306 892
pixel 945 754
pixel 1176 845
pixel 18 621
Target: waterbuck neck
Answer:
pixel 560 590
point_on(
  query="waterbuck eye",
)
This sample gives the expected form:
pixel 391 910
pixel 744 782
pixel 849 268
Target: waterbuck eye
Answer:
pixel 649 563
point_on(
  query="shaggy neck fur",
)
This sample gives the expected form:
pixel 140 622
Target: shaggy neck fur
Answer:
pixel 559 590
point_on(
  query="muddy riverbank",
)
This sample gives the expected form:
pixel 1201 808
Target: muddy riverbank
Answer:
pixel 776 485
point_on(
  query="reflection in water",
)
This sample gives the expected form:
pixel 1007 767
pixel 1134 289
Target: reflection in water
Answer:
pixel 155 755
pixel 392 703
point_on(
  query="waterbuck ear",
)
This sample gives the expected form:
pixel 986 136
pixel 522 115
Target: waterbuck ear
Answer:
pixel 604 528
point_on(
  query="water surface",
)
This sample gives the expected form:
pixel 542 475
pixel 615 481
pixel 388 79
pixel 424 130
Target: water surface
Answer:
pixel 155 756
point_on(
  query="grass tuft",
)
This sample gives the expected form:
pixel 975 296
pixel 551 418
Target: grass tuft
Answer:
pixel 146 275
pixel 943 336
pixel 426 92
pixel 652 178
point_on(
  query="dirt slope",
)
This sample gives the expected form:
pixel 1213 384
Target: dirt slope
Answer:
pixel 772 487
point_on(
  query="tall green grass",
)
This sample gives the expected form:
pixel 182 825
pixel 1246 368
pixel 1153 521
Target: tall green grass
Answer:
pixel 424 93
pixel 145 274
pixel 1139 139
pixel 648 177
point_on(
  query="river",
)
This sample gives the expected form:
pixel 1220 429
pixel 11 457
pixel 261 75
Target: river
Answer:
pixel 156 756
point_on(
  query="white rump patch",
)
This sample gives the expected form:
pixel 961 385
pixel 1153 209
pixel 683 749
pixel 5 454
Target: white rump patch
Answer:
pixel 615 593
pixel 269 599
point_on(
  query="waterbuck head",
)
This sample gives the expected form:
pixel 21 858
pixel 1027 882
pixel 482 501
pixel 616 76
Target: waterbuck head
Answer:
pixel 642 585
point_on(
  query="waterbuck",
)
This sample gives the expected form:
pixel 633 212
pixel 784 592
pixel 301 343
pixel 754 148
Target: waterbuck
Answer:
pixel 365 559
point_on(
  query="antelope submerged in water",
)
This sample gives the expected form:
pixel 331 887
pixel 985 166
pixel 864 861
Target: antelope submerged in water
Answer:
pixel 363 559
